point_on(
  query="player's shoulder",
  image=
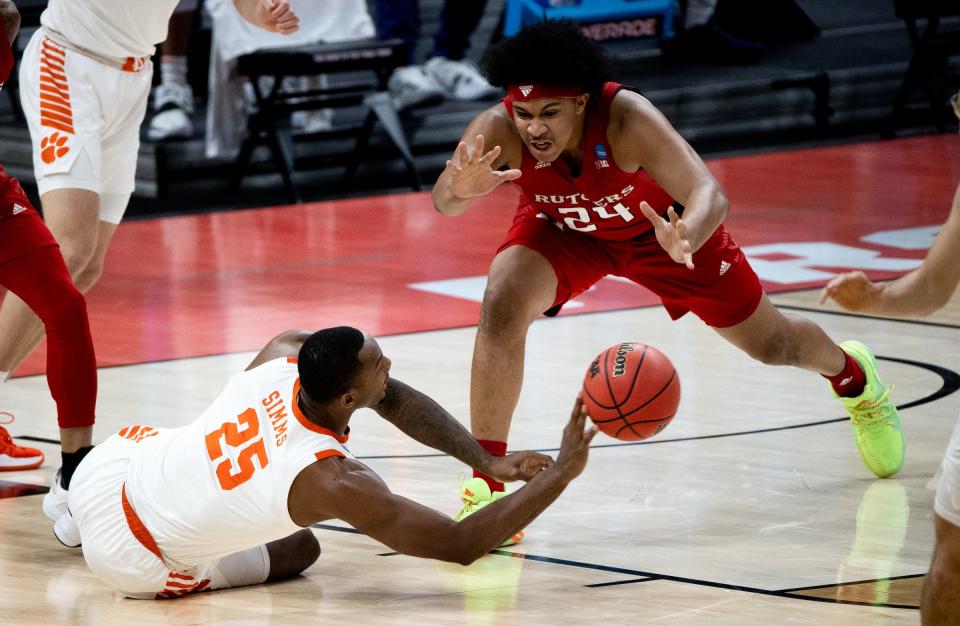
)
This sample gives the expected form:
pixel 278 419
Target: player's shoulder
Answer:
pixel 628 105
pixel 337 475
pixel 496 119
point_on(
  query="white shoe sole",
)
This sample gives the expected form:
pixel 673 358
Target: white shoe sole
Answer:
pixel 66 531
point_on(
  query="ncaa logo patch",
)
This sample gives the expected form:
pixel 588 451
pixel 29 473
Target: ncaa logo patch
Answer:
pixel 601 151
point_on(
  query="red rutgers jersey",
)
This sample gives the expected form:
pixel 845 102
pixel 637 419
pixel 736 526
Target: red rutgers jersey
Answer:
pixel 603 201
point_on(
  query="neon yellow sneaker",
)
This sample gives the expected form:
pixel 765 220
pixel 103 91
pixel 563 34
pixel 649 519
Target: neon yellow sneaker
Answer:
pixel 475 494
pixel 876 425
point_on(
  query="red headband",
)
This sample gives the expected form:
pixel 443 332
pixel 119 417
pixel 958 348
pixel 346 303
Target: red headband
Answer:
pixel 534 91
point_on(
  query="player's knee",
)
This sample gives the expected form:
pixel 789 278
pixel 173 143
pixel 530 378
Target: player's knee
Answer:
pixel 503 313
pixel 293 554
pixel 78 254
pixel 88 276
pixel 940 588
pixel 68 311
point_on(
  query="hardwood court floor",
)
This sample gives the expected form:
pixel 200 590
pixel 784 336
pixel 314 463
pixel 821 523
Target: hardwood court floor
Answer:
pixel 751 507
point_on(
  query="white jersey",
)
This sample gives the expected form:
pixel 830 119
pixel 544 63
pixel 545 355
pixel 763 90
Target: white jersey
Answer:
pixel 112 28
pixel 220 485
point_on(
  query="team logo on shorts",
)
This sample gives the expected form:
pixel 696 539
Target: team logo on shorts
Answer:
pixel 53 147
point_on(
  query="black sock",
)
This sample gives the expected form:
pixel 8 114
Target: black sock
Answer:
pixel 70 462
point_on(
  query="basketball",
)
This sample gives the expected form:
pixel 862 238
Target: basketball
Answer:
pixel 631 391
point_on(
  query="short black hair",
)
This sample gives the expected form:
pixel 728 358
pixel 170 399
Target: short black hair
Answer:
pixel 553 52
pixel 328 362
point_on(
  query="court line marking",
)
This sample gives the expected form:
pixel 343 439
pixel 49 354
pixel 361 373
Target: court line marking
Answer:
pixel 542 319
pixel 950 384
pixel 852 582
pixel 643 576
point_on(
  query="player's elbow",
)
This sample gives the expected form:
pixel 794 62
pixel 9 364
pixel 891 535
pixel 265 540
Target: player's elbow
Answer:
pixel 460 545
pixel 720 203
pixel 466 554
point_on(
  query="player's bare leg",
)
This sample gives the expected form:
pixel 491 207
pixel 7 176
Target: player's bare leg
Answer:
pixel 940 603
pixel 778 339
pixel 521 285
pixel 775 338
pixel 73 216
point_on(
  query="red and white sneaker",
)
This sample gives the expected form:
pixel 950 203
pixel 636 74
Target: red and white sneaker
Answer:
pixel 14 457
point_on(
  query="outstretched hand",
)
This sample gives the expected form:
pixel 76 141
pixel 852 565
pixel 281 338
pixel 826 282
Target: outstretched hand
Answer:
pixel 575 445
pixel 471 173
pixel 276 16
pixel 672 235
pixel 853 291
pixel 518 466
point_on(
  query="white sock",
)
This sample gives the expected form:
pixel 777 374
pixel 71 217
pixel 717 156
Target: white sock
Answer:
pixel 173 70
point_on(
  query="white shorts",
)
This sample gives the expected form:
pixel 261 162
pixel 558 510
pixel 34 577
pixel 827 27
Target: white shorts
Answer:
pixel 947 502
pixel 123 554
pixel 84 118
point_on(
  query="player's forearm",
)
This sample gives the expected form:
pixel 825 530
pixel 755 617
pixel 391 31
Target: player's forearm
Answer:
pixel 917 293
pixel 930 286
pixel 426 421
pixel 704 210
pixel 487 528
pixel 445 201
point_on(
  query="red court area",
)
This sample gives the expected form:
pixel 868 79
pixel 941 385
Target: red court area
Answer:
pixel 222 282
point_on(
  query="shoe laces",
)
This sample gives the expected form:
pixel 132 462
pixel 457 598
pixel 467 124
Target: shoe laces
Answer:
pixel 873 413
pixel 5 439
pixel 449 71
pixel 180 96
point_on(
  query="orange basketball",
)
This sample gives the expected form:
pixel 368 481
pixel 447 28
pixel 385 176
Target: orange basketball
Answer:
pixel 631 391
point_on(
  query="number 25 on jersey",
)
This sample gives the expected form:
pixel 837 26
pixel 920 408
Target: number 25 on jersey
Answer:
pixel 235 435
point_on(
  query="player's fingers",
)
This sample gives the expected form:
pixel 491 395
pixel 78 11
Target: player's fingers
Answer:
pixel 672 214
pixel 279 8
pixel 459 154
pixel 491 156
pixel 824 294
pixel 589 434
pixel 288 28
pixel 687 254
pixel 580 417
pixel 680 225
pixel 506 175
pixel 650 214
pixel 577 407
pixel 478 146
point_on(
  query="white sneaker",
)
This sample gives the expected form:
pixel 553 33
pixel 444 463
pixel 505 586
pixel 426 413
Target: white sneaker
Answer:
pixel 316 121
pixel 173 106
pixel 55 500
pixel 66 531
pixel 411 86
pixel 460 79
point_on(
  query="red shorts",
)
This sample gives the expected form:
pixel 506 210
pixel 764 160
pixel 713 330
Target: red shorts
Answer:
pixel 23 233
pixel 722 289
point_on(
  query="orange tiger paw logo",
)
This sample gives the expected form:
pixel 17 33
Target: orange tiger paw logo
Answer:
pixel 53 147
